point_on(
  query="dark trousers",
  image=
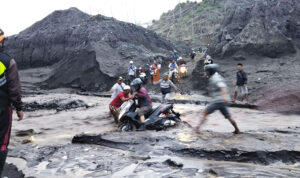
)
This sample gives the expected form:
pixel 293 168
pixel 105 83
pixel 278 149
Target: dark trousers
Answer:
pixel 5 128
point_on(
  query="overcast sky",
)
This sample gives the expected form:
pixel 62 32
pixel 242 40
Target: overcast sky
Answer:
pixel 17 15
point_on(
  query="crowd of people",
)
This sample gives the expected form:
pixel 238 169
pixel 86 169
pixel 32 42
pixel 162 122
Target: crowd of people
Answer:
pixel 217 88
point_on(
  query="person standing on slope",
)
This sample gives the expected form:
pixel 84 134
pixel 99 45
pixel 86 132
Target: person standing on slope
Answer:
pixel 131 74
pixel 241 83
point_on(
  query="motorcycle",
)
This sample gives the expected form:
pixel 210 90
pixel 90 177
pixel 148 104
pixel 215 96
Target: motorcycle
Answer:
pixel 143 77
pixel 159 118
pixel 175 77
pixel 182 71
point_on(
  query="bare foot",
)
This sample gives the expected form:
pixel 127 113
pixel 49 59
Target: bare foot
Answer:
pixel 236 132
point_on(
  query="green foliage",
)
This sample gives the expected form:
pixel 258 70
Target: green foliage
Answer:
pixel 182 4
pixel 206 5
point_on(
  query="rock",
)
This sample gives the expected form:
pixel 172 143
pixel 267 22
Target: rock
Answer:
pixel 194 23
pixel 228 37
pixel 87 52
pixel 57 104
pixel 264 28
pixel 282 98
pixel 22 133
pixel 173 163
pixel 28 140
pixel 11 170
pixel 211 171
pixel 244 148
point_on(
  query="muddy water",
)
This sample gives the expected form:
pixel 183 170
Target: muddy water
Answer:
pixel 52 154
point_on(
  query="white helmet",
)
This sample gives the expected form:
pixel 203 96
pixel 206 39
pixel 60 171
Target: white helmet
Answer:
pixel 131 62
pixel 126 87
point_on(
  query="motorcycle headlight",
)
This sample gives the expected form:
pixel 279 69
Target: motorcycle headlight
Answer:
pixel 182 69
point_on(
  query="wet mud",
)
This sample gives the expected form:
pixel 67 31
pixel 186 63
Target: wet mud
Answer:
pixel 84 142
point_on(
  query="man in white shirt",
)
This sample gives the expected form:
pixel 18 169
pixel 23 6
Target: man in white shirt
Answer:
pixel 117 88
pixel 131 72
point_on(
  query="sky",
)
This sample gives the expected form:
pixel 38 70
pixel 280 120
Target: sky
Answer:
pixel 17 15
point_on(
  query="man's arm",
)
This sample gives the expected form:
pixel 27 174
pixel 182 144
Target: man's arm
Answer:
pixel 112 89
pixel 14 88
pixel 224 94
pixel 126 99
pixel 158 82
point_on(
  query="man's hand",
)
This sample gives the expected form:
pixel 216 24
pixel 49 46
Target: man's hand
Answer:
pixel 226 100
pixel 133 95
pixel 20 115
pixel 245 85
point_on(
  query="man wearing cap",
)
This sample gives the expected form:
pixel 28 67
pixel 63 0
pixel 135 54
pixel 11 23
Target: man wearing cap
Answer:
pixel 10 94
pixel 117 88
pixel 115 104
pixel 131 72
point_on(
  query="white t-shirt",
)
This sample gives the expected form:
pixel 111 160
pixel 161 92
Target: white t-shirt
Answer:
pixel 117 89
pixel 131 70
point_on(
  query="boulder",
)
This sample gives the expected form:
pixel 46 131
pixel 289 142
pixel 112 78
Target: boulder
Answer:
pixel 264 28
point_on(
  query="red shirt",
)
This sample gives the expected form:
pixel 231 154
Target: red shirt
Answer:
pixel 117 102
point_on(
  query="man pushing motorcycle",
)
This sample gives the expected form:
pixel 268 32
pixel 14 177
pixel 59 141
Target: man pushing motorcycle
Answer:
pixel 173 68
pixel 144 101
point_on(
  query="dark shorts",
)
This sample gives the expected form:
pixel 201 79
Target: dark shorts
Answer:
pixel 222 107
pixel 144 110
pixel 131 78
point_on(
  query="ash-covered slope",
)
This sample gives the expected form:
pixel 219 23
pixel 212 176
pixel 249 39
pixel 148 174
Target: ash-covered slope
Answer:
pixel 258 27
pixel 268 28
pixel 86 51
pixel 194 23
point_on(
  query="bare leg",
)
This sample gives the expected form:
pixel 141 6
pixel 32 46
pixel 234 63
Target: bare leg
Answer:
pixel 237 130
pixel 142 126
pixel 246 98
pixel 142 119
pixel 202 121
pixel 234 97
pixel 115 114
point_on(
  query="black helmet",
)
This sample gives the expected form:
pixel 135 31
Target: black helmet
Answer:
pixel 136 82
pixel 211 69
